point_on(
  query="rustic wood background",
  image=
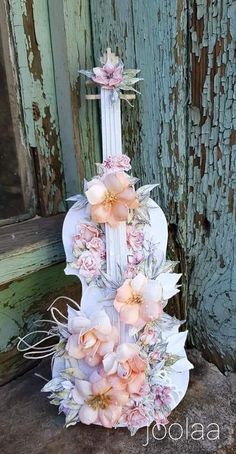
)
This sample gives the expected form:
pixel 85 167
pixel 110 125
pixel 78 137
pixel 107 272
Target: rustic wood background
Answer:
pixel 181 133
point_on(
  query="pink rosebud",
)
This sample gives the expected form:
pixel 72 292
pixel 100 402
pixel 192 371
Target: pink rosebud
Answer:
pixel 88 264
pixel 97 246
pixel 135 238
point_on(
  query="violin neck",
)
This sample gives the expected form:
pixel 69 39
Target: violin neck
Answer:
pixel 116 248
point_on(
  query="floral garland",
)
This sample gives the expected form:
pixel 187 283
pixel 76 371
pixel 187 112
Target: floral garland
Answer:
pixel 100 378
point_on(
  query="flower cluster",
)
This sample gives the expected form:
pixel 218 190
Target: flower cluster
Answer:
pixel 89 251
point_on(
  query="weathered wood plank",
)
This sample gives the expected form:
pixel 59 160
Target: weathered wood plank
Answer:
pixel 30 246
pixel 31 33
pixel 22 302
pixel 79 121
pixel 211 241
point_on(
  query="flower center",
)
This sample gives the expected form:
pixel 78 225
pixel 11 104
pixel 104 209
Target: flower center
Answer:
pixel 135 299
pixel 99 401
pixel 110 199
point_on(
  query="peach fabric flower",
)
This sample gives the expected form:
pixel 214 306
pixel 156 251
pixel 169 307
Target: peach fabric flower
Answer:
pixel 125 369
pixel 100 402
pixel 109 76
pixel 138 301
pixel 110 198
pixel 141 300
pixel 92 338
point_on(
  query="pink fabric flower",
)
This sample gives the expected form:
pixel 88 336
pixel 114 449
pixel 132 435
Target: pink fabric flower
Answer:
pixel 92 338
pixel 162 396
pixel 100 402
pixel 88 264
pixel 97 246
pixel 117 163
pixel 125 368
pixel 110 198
pixel 86 232
pixel 135 238
pixel 138 301
pixel 108 76
pixel 150 335
pixel 135 417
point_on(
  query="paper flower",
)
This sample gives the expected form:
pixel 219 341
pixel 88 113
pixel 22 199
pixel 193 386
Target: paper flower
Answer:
pixel 91 338
pixel 116 164
pixel 139 300
pixel 88 264
pixel 109 76
pixel 135 417
pixel 125 367
pixel 110 198
pixel 100 402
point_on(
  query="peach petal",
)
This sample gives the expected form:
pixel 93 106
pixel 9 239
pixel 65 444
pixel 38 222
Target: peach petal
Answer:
pixel 128 195
pixel 135 385
pixel 101 322
pixel 110 363
pixel 119 212
pixel 87 414
pixel 126 351
pixel 100 213
pixel 119 398
pixel 129 313
pixel 116 383
pixel 96 193
pixel 116 182
pixel 106 347
pixel 124 292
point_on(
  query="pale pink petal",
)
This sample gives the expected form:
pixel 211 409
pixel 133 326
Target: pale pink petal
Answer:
pixel 101 386
pixel 110 363
pixel 106 347
pixel 152 291
pixel 109 416
pixel 151 310
pixel 73 348
pixel 87 414
pixel 77 397
pixel 93 360
pixel 84 388
pixel 75 324
pixel 89 340
pixel 100 72
pixel 126 350
pixel 96 193
pixel 101 322
pixel 138 283
pixel 129 313
pixel 100 213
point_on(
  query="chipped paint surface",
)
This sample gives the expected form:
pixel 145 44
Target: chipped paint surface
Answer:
pixel 181 133
pixel 32 39
pixel 211 181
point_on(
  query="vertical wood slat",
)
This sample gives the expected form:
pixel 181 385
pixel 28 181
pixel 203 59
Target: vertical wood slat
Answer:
pixel 32 40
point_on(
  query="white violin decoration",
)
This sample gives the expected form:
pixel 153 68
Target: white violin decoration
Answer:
pixel 118 359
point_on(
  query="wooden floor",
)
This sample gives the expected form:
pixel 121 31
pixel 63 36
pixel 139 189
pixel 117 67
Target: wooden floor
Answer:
pixel 29 425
